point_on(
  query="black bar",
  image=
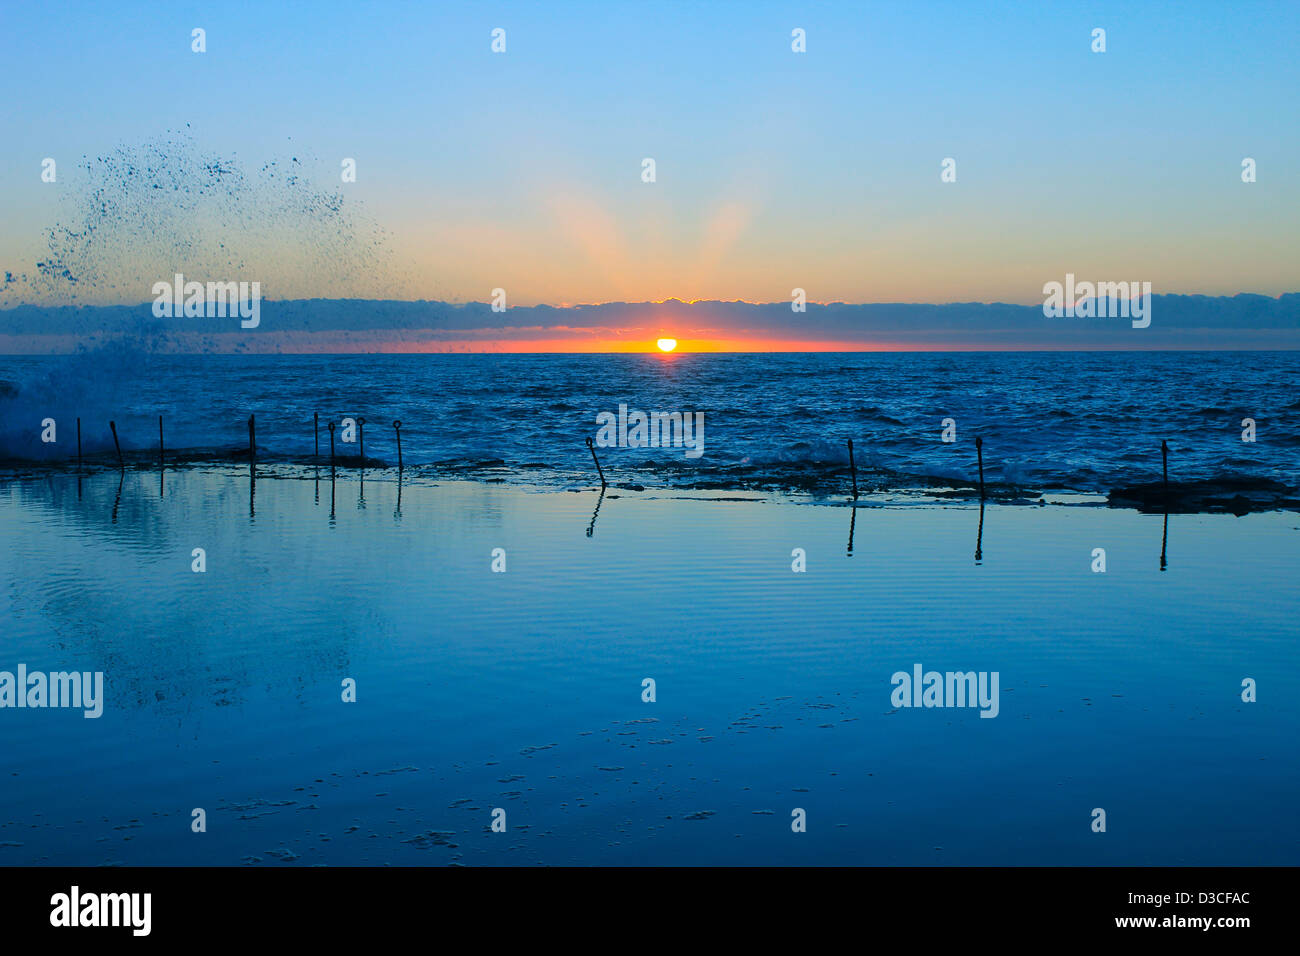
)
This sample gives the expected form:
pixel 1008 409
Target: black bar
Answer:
pixel 307 904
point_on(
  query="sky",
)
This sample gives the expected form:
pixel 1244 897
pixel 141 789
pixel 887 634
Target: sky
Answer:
pixel 775 170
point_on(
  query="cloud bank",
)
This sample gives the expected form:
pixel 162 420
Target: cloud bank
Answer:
pixel 1244 321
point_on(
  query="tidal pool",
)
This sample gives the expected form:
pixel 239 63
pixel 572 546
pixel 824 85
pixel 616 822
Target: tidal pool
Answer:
pixel 522 690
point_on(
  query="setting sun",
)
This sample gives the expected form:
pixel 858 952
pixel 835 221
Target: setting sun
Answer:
pixel 667 345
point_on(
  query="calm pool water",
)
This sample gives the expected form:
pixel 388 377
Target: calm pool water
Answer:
pixel 522 690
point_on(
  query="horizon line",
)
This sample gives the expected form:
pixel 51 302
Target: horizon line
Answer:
pixel 671 300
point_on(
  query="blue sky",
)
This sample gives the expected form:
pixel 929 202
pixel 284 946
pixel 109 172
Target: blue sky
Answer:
pixel 774 170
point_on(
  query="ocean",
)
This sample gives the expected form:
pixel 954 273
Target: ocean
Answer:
pixel 1080 421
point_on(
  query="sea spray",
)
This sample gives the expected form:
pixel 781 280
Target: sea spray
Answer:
pixel 138 214
pixel 94 384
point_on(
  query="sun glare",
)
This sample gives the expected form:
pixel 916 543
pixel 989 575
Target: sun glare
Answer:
pixel 667 345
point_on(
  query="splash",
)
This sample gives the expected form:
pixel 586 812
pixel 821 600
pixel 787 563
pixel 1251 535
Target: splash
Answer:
pixel 142 213
pixel 92 384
